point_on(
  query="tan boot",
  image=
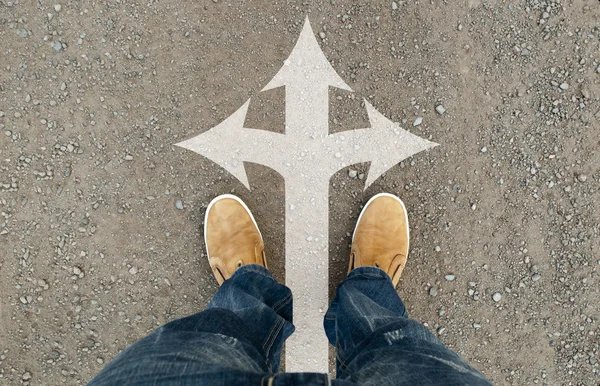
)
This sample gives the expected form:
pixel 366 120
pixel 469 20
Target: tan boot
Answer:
pixel 381 236
pixel 232 237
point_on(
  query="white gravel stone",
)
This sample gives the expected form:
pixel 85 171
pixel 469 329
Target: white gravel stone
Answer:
pixel 449 277
pixel 418 121
pixel 179 204
pixel 497 297
pixel 440 109
pixel 57 7
pixel 433 291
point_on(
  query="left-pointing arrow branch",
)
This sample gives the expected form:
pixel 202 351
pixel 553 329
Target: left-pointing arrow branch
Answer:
pixel 230 144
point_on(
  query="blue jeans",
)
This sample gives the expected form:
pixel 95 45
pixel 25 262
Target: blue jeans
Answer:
pixel 237 340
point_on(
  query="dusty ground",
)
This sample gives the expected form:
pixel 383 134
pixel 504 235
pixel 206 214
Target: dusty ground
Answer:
pixel 94 253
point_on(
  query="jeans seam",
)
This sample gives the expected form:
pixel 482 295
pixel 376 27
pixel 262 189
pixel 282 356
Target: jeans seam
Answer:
pixel 281 303
pixel 270 334
pixel 271 339
pixel 340 356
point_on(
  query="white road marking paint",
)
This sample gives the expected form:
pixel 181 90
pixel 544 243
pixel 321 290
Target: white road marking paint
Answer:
pixel 307 156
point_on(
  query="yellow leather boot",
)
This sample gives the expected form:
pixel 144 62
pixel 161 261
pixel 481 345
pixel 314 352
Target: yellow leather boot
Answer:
pixel 232 237
pixel 381 236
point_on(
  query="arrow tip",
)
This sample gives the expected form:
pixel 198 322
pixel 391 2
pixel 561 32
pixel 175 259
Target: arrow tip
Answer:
pixel 307 65
pixel 215 144
pixel 405 146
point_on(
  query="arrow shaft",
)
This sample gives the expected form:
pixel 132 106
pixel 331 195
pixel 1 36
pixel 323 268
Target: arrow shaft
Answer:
pixel 307 111
pixel 307 272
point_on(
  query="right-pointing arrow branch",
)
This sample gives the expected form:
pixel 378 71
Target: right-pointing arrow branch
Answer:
pixel 385 144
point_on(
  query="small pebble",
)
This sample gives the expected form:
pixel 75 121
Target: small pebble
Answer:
pixel 497 297
pixel 179 204
pixel 564 86
pixel 57 7
pixel 77 271
pixel 352 173
pixel 582 178
pixel 440 109
pixel 437 248
pixel 536 277
pixel 133 270
pixel 484 149
pixel 322 35
pixel 450 277
pixel 433 291
pixel 394 5
pixel 418 121
pixel 128 157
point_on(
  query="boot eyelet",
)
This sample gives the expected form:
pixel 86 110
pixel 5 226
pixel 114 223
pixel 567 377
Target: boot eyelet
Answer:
pixel 239 264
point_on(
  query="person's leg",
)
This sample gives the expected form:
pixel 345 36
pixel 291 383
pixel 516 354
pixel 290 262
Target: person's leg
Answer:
pixel 238 338
pixel 376 343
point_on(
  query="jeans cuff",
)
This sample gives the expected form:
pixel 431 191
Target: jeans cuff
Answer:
pixel 252 268
pixel 372 272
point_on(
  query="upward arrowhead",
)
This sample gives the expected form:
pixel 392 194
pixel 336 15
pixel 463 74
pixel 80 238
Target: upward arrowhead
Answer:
pixel 218 144
pixel 307 65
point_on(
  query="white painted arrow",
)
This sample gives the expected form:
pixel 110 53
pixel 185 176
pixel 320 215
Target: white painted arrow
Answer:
pixel 307 156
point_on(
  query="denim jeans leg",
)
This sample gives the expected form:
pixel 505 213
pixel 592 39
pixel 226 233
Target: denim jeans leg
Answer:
pixel 377 344
pixel 236 340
